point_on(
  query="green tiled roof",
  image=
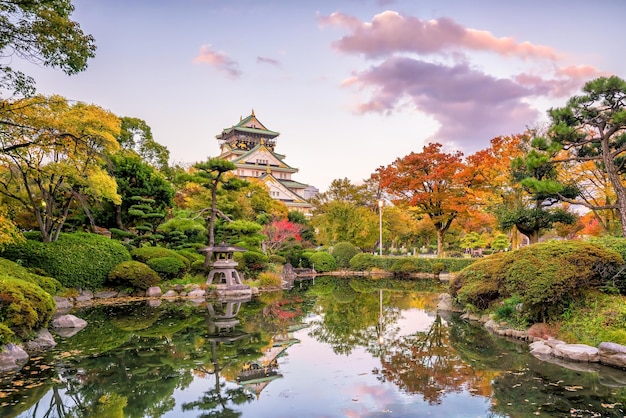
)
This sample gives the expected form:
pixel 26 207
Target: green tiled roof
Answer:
pixel 293 184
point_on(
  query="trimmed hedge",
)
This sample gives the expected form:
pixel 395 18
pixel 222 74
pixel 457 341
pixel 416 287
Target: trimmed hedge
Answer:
pixel 404 265
pixel 343 253
pixel 76 260
pixel 144 254
pixel 168 267
pixel 546 277
pixel 135 274
pixel 24 307
pixel 323 262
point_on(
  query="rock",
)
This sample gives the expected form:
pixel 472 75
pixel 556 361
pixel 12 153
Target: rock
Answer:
pixel 154 292
pixel 107 294
pixel 445 302
pixel 577 352
pixel 541 330
pixel 491 325
pixel 179 288
pixel 196 294
pixel 612 354
pixel 170 294
pixel 553 342
pixel 42 342
pixel 12 358
pixel 154 302
pixel 63 304
pixel 85 296
pixel 540 349
pixel 69 321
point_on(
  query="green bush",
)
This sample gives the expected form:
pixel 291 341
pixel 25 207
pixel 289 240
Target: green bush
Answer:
pixel 134 274
pixel 323 262
pixel 34 275
pixel 253 262
pixel 78 259
pixel 24 307
pixel 144 254
pixel 168 267
pixel 546 277
pixel 363 262
pixel 191 255
pixel 343 252
pixel 277 259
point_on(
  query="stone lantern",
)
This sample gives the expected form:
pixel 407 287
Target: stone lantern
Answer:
pixel 223 274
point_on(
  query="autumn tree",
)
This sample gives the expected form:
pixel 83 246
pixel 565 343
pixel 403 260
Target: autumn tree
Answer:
pixel 43 33
pixel 432 182
pixel 592 127
pixel 53 157
pixel 280 233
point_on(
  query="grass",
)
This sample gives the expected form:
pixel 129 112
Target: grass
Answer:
pixel 596 318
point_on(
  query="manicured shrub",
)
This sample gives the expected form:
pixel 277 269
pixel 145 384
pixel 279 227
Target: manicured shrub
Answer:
pixel 24 306
pixel 323 262
pixel 34 275
pixel 343 252
pixel 276 259
pixel 76 260
pixel 190 255
pixel 253 262
pixel 363 262
pixel 546 277
pixel 144 254
pixel 270 280
pixel 167 267
pixel 133 274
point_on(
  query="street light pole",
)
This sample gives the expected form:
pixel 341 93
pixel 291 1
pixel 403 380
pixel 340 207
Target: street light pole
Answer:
pixel 380 241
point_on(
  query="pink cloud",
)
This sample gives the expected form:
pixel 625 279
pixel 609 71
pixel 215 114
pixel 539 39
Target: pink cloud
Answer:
pixel 471 107
pixel 390 32
pixel 218 60
pixel 565 82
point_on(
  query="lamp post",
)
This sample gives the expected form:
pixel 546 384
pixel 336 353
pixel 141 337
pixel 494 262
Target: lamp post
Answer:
pixel 380 213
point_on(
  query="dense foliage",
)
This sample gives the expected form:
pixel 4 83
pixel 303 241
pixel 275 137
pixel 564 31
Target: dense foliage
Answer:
pixel 343 253
pixel 546 277
pixel 76 260
pixel 24 307
pixel 133 274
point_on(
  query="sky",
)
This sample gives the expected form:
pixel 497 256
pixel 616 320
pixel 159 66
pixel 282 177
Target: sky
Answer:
pixel 351 85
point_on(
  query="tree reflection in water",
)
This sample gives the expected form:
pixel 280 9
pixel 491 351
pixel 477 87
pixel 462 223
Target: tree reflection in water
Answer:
pixel 211 360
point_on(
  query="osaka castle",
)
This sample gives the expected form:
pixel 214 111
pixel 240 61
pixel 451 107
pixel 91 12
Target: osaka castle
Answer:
pixel 251 147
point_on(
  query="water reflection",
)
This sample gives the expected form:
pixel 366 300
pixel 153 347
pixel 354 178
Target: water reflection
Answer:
pixel 339 347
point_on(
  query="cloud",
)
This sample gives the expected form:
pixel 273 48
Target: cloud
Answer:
pixel 266 60
pixel 218 60
pixel 390 32
pixel 471 107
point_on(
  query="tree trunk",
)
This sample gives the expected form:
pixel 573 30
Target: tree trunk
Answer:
pixel 616 181
pixel 440 235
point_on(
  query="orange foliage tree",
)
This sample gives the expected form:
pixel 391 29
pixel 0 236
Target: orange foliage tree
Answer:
pixel 432 182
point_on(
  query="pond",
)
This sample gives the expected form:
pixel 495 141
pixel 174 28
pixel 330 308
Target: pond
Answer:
pixel 332 347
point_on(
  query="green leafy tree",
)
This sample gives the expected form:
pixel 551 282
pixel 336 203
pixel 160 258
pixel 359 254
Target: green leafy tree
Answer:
pixel 40 32
pixel 346 212
pixel 538 208
pixel 136 135
pixel 592 127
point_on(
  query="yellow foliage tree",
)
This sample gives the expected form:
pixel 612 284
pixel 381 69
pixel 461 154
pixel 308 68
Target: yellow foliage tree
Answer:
pixel 52 152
